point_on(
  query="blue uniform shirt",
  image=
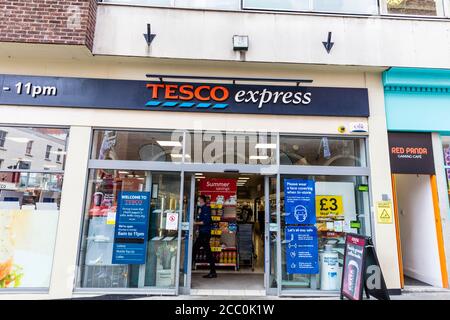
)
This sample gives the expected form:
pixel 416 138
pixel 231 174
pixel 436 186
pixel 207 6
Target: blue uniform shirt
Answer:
pixel 204 215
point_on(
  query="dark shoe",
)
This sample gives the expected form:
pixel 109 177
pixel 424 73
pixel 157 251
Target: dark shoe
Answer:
pixel 210 275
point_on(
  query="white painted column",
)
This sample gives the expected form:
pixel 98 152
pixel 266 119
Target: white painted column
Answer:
pixel 384 234
pixel 71 212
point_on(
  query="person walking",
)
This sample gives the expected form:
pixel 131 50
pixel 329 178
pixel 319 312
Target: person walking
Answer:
pixel 204 227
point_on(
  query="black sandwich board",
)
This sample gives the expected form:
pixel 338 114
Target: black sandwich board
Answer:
pixel 361 270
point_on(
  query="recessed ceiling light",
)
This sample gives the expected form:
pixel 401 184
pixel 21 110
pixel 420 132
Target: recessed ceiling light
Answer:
pixel 169 143
pixel 259 157
pixel 243 178
pixel 198 174
pixel 265 146
pixel 123 172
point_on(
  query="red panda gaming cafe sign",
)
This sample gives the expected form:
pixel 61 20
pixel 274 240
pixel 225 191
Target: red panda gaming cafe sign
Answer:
pixel 411 153
pixel 182 96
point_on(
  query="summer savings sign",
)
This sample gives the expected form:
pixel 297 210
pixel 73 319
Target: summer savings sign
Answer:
pixel 219 191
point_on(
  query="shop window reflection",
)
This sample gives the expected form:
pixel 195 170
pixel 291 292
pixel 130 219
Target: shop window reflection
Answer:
pixel 322 151
pixel 138 145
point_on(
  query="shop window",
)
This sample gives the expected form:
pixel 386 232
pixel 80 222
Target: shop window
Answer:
pixel 316 212
pixel 231 147
pixel 200 4
pixel 37 140
pixel 446 148
pixel 338 6
pixel 322 151
pixel 162 146
pixel 415 7
pixel 151 258
pixel 29 211
pixel 29 207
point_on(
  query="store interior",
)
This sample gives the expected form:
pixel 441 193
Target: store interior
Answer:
pixel 237 235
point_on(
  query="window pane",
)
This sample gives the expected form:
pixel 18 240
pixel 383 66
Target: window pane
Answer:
pixel 231 147
pixel 138 145
pixel 413 7
pixel 291 5
pixel 347 6
pixel 164 3
pixel 29 210
pixel 335 205
pixel 208 4
pixel 98 270
pixel 322 151
pixel 33 148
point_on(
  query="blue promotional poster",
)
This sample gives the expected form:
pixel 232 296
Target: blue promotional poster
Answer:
pixel 131 231
pixel 299 201
pixel 302 250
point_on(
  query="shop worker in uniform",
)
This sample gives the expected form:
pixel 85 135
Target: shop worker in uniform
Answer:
pixel 204 228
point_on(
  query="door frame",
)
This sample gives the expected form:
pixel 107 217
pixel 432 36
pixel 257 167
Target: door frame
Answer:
pixel 438 226
pixel 188 284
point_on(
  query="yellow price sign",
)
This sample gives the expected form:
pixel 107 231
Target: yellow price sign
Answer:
pixel 329 206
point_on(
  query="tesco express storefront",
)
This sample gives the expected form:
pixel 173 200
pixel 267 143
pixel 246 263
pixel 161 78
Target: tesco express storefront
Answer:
pixel 73 149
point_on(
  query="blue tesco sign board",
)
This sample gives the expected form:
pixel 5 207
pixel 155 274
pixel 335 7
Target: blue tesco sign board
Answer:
pixel 302 252
pixel 131 230
pixel 299 201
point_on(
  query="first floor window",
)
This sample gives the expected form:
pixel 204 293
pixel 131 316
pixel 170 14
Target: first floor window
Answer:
pixel 48 150
pixel 2 138
pixel 29 147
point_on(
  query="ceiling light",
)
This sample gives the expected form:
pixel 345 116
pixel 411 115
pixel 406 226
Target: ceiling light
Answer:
pixel 123 172
pixel 265 146
pixel 176 155
pixel 169 143
pixel 259 157
pixel 199 174
pixel 243 178
pixel 200 177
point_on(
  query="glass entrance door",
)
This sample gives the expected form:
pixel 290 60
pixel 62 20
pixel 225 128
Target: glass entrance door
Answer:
pixel 262 259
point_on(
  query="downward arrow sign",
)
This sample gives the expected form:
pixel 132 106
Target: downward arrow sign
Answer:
pixel 328 45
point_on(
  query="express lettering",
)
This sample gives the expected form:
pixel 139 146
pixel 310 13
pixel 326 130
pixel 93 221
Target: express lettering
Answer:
pixel 266 96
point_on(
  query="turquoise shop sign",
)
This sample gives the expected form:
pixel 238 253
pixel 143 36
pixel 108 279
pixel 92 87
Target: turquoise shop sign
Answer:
pixel 417 99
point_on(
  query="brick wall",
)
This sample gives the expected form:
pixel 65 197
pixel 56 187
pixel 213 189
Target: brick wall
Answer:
pixel 69 22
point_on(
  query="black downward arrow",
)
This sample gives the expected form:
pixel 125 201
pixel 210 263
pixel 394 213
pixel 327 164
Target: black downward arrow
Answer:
pixel 149 36
pixel 328 45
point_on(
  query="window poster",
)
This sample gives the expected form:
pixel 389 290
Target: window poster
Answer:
pixel 131 229
pixel 299 202
pixel 27 243
pixel 302 253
